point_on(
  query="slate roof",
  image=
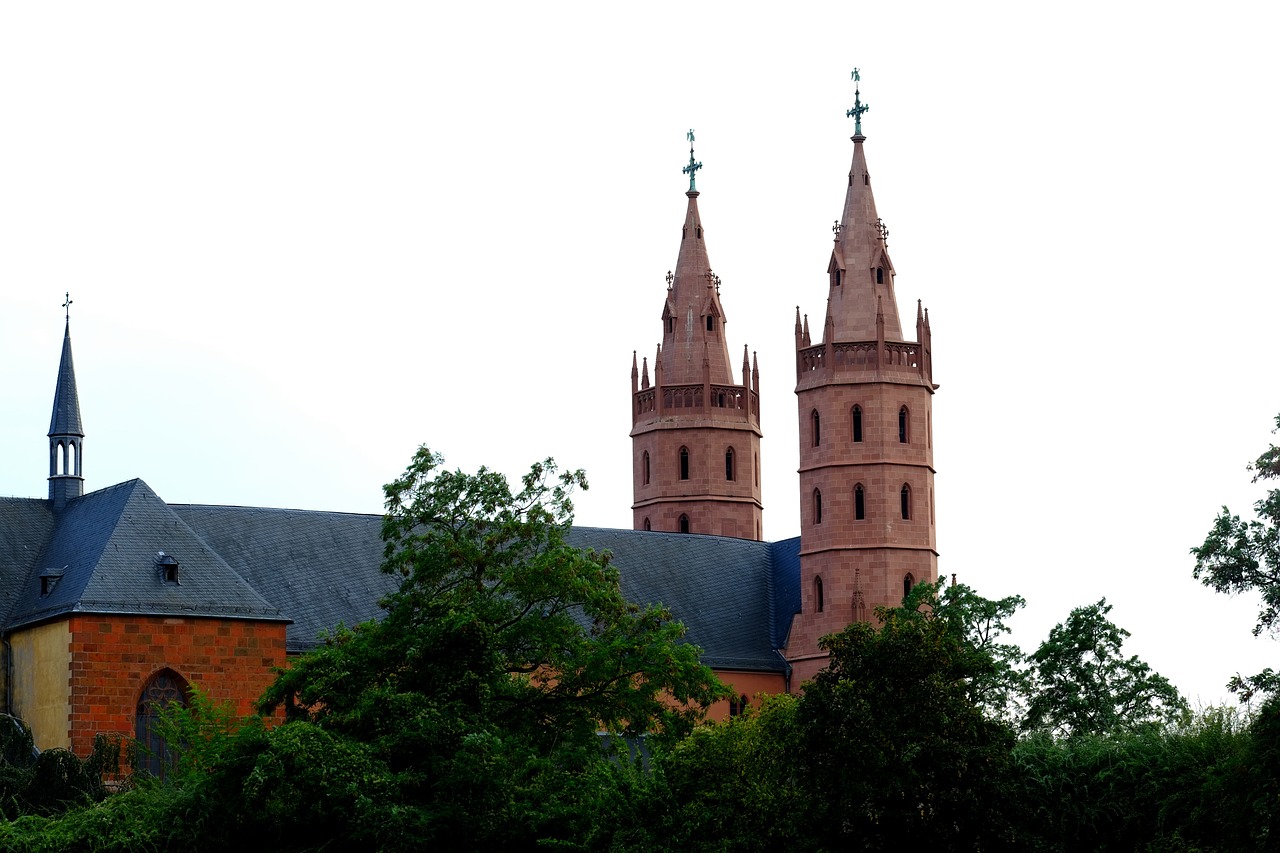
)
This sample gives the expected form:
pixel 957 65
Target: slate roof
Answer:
pixel 101 558
pixel 317 569
pixel 320 568
pixel 66 402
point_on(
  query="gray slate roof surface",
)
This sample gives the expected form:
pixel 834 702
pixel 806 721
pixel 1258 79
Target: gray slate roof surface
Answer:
pixel 105 545
pixel 720 588
pixel 736 597
pixel 320 568
pixel 66 402
pixel 26 525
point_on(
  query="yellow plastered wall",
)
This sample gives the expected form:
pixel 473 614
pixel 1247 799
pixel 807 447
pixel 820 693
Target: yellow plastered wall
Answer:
pixel 42 682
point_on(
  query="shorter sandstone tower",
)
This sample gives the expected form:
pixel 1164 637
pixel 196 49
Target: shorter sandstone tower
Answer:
pixel 695 433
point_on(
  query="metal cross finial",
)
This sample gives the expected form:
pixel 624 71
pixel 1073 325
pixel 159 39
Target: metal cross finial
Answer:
pixel 692 169
pixel 835 229
pixel 883 231
pixel 670 278
pixel 66 306
pixel 858 107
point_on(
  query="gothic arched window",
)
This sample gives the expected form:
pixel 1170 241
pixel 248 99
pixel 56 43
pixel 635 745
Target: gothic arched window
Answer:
pixel 906 502
pixel 645 467
pixel 684 463
pixel 817 506
pixel 817 594
pixel 164 689
pixel 684 523
pixel 904 423
pixel 859 503
pixel 857 423
pixel 817 428
pixel 728 464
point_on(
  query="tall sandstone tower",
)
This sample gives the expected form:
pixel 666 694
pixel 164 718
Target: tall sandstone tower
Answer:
pixel 695 434
pixel 866 436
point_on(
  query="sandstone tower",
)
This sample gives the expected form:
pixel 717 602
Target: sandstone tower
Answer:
pixel 866 444
pixel 695 434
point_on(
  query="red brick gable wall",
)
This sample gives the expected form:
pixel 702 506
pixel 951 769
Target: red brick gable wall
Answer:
pixel 113 657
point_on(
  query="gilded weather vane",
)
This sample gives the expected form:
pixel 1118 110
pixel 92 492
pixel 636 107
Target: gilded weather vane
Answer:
pixel 66 306
pixel 858 107
pixel 692 169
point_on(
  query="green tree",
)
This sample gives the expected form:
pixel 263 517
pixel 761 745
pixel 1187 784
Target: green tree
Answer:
pixel 1242 555
pixel 1000 681
pixel 1082 684
pixel 502 655
pixel 897 754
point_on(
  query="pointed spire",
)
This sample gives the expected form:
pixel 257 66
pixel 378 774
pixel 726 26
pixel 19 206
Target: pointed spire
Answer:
pixel 693 317
pixel 66 402
pixel 860 257
pixel 635 373
pixel 644 373
pixel 746 365
pixel 66 431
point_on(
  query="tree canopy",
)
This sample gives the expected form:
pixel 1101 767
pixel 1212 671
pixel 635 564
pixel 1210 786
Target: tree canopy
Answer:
pixel 1083 684
pixel 1243 555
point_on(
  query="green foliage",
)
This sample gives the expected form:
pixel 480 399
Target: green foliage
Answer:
pixel 502 654
pixel 896 752
pixel 1242 555
pixel 999 678
pixel 1082 684
pixel 735 785
pixel 1183 787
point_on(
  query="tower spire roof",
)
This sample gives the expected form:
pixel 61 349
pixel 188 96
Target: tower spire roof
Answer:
pixel 861 272
pixel 693 316
pixel 66 402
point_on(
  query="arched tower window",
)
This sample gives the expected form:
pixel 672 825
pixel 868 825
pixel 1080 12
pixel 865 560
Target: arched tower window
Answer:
pixel 162 690
pixel 684 523
pixel 906 502
pixel 857 423
pixel 859 502
pixel 729 473
pixel 879 275
pixel 644 464
pixel 907 583
pixel 647 525
pixel 684 463
pixel 904 424
pixel 817 594
pixel 817 506
pixel 817 427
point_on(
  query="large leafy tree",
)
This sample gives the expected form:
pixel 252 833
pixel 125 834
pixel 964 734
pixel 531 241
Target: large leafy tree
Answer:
pixel 897 754
pixel 502 655
pixel 1083 684
pixel 999 679
pixel 1243 555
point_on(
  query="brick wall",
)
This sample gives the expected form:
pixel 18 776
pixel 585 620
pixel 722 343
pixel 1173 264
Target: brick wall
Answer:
pixel 113 657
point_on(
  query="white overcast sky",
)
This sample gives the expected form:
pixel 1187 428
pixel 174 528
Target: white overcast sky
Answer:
pixel 303 238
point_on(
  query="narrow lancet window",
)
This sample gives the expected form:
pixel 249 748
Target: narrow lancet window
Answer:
pixel 817 594
pixel 817 428
pixel 684 523
pixel 857 423
pixel 728 464
pixel 817 506
pixel 904 421
pixel 859 503
pixel 906 502
pixel 684 463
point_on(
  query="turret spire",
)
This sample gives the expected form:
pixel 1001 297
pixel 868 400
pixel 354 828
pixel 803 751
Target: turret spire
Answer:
pixel 66 432
pixel 860 270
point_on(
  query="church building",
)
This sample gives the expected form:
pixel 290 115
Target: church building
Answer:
pixel 114 602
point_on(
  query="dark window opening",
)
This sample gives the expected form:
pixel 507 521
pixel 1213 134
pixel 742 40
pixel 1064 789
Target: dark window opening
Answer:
pixel 817 428
pixel 817 507
pixel 684 523
pixel 647 525
pixel 711 324
pixel 734 710
pixel 859 503
pixel 645 466
pixel 906 502
pixel 166 688
pixel 699 232
pixel 817 594
pixel 728 464
pixel 907 583
pixel 671 324
pixel 857 423
pixel 879 275
pixel 866 180
pixel 903 419
pixel 684 463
